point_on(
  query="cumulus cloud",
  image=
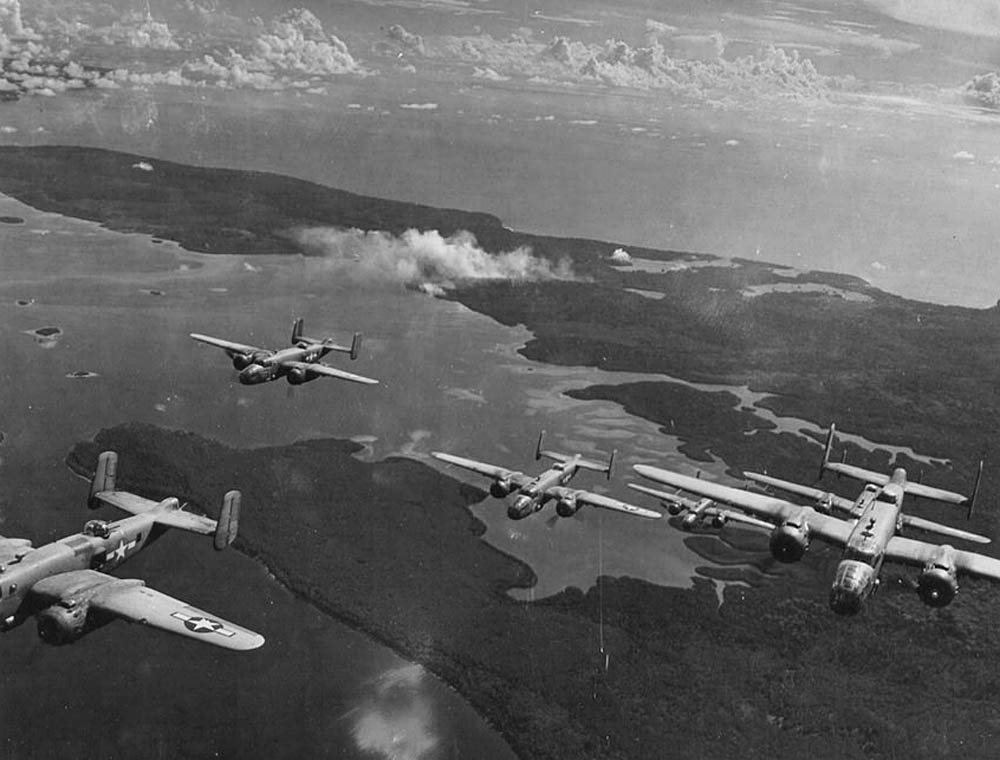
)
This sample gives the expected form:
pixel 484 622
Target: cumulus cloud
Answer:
pixel 290 51
pixel 621 256
pixel 140 31
pixel 693 67
pixel 656 28
pixel 395 718
pixel 964 155
pixel 404 40
pixel 983 90
pixel 422 259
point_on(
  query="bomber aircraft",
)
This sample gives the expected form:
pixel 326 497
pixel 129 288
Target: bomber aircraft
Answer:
pixel 530 494
pixel 299 363
pixel 65 585
pixel 698 511
pixel 868 533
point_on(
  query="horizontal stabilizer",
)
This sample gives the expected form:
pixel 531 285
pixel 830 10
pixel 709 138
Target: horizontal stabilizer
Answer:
pixel 670 498
pixel 937 494
pixel 589 464
pixel 857 473
pixel 942 530
pixel 820 496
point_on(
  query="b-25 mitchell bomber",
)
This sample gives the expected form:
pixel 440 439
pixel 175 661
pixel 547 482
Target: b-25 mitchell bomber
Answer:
pixel 869 532
pixel 530 494
pixel 698 512
pixel 65 584
pixel 299 363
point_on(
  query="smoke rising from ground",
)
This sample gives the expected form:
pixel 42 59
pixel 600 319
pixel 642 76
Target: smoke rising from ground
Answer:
pixel 425 260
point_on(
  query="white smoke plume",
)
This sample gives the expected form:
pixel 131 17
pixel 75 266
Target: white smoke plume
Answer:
pixel 425 260
pixel 395 720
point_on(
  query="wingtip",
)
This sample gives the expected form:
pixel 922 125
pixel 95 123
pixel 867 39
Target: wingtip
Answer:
pixel 249 643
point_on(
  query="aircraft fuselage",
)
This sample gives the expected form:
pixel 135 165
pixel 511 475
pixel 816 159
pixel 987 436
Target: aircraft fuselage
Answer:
pixel 274 366
pixel 857 575
pixel 101 546
pixel 532 497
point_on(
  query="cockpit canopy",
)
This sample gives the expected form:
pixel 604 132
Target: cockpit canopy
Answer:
pixel 98 528
pixel 886 496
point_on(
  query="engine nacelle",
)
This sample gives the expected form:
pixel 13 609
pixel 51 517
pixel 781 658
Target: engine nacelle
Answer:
pixel 674 509
pixel 297 376
pixel 521 507
pixel 501 488
pixel 63 623
pixel 242 361
pixel 567 506
pixel 789 541
pixel 938 582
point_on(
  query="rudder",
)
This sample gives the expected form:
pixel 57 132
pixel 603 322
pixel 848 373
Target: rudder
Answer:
pixel 297 326
pixel 830 438
pixel 228 523
pixel 104 477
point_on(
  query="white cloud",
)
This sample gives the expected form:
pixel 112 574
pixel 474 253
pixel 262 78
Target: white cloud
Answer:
pixel 615 63
pixel 983 90
pixel 404 40
pixel 419 106
pixel 621 256
pixel 964 155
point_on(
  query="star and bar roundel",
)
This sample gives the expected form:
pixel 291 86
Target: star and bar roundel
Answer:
pixel 201 624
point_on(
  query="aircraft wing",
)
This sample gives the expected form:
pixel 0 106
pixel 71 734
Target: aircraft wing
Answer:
pixel 227 345
pixel 730 514
pixel 919 553
pixel 606 502
pixel 809 492
pixel 774 511
pixel 133 601
pixel 943 530
pixel 318 368
pixel 489 470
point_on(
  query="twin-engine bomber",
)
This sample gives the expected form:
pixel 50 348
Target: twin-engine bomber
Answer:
pixel 869 532
pixel 299 363
pixel 529 494
pixel 65 584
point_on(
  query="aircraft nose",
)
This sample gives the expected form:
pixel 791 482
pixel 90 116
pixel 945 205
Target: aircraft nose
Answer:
pixel 845 602
pixel 519 507
pixel 252 375
pixel 853 582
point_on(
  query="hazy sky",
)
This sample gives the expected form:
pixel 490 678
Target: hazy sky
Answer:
pixel 858 137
